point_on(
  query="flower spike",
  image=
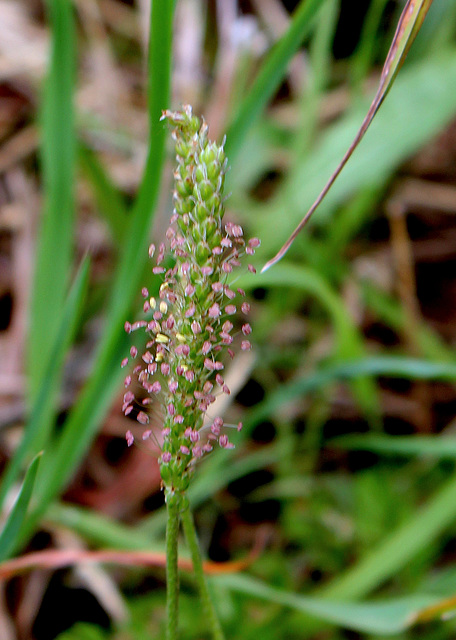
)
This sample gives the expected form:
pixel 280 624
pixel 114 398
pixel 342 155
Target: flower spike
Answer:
pixel 188 328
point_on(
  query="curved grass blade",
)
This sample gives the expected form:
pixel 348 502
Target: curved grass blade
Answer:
pixel 348 340
pixel 384 617
pixel 10 534
pixel 99 529
pixel 206 483
pixel 399 547
pixel 441 447
pixel 390 366
pixel 409 24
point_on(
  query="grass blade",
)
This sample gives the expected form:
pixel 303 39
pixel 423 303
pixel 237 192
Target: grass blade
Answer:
pixel 10 533
pixel 270 75
pixel 93 403
pixel 135 244
pixel 99 529
pixel 40 422
pixel 399 548
pixel 364 56
pixel 409 24
pixel 108 199
pixel 349 342
pixel 384 617
pixel 441 447
pixel 54 255
pixel 390 366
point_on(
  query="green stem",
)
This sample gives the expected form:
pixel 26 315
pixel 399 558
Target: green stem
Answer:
pixel 192 540
pixel 172 576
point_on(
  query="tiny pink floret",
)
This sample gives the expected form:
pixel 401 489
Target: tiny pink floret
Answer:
pixel 129 438
pixel 207 346
pixel 246 329
pixel 142 417
pixel 214 311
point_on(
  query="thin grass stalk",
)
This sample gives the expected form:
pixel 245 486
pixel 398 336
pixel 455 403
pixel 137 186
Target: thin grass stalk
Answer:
pixel 172 574
pixel 206 601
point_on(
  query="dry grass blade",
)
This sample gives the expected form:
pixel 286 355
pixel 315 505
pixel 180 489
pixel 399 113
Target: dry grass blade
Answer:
pixel 409 24
pixel 60 558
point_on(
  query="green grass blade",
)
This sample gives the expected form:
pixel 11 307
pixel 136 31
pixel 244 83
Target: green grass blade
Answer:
pixel 389 366
pixel 10 533
pixel 440 447
pixel 409 24
pixel 349 342
pixel 83 631
pixel 93 403
pixel 366 50
pixel 389 311
pixel 312 283
pixel 54 255
pixel 399 548
pixel 134 247
pixel 384 617
pixel 41 421
pixel 270 75
pixel 319 71
pixel 108 199
pixel 101 530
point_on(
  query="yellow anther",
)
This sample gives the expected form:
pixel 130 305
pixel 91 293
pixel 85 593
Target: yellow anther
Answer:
pixel 160 337
pixel 184 367
pixel 181 337
pixel 164 286
pixel 159 357
pixel 152 302
pixel 163 306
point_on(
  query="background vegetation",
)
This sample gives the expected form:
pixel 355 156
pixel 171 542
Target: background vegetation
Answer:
pixel 337 509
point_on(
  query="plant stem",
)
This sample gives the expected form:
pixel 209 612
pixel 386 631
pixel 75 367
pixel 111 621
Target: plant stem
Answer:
pixel 192 540
pixel 172 576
